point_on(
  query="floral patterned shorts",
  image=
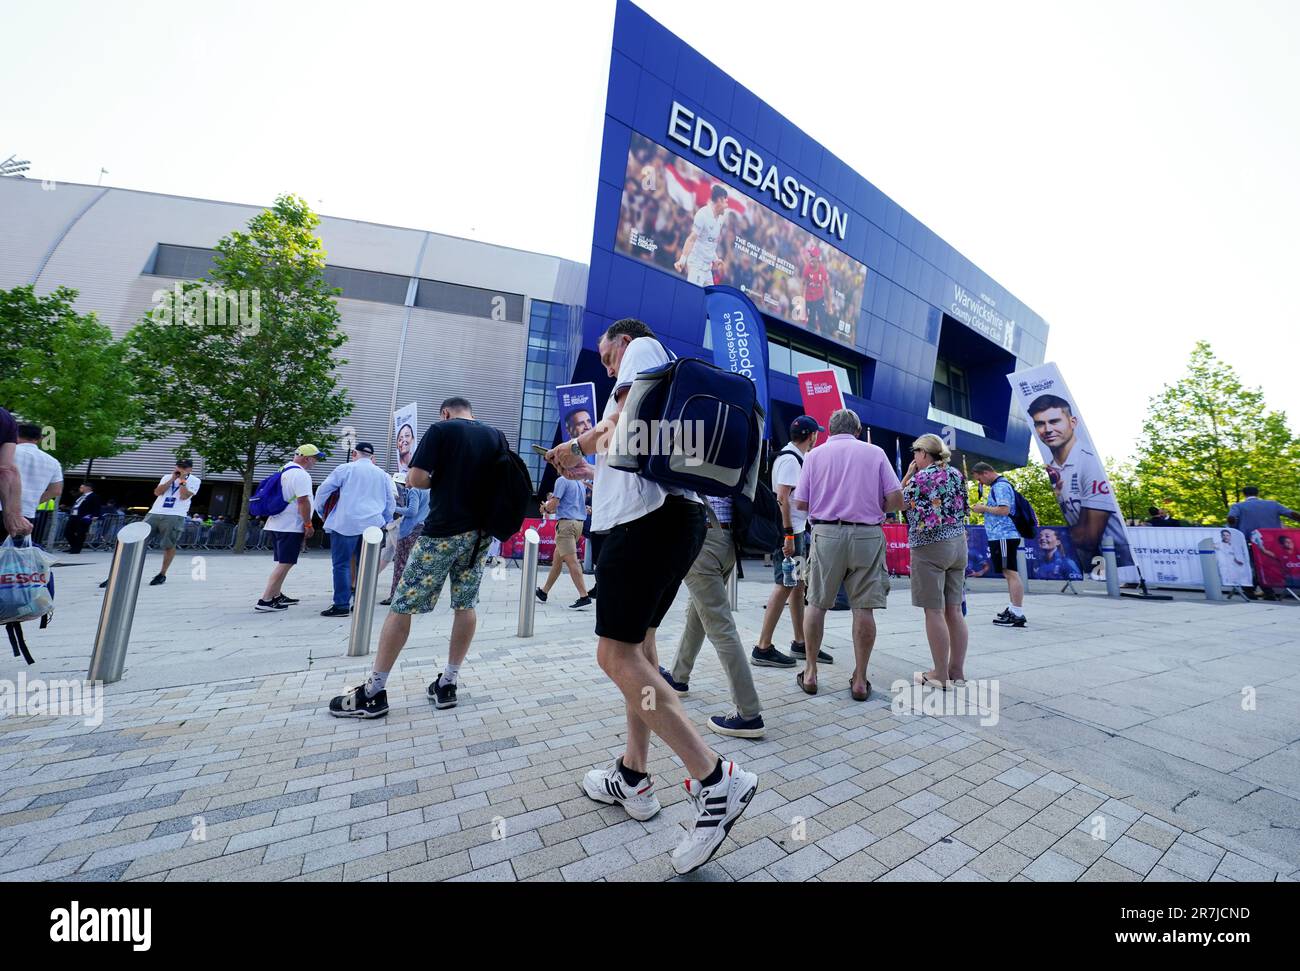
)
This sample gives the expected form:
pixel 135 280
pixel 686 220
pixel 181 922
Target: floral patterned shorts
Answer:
pixel 431 562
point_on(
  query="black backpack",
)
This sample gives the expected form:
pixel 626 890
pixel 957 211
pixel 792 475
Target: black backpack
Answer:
pixel 756 523
pixel 1022 513
pixel 505 495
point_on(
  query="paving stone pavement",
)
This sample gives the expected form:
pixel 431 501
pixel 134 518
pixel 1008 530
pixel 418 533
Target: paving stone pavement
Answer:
pixel 1134 741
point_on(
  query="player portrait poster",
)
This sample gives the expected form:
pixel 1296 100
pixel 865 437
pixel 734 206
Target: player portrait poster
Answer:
pixel 1074 467
pixel 1277 557
pixel 577 410
pixel 405 422
pixel 677 217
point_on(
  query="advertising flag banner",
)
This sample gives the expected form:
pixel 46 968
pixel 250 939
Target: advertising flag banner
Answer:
pixel 405 422
pixel 739 338
pixel 820 391
pixel 577 410
pixel 1277 557
pixel 1169 556
pixel 1075 469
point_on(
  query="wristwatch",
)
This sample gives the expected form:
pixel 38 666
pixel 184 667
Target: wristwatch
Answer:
pixel 576 448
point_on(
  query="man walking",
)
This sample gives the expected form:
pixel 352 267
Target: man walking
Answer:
pixel 290 528
pixel 452 461
pixel 365 498
pixel 84 512
pixel 15 524
pixel 1250 516
pixel 568 503
pixel 709 613
pixel 786 468
pixel 848 487
pixel 41 477
pixel 654 534
pixel 1004 540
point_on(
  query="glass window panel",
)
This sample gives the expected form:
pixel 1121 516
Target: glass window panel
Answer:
pixel 801 361
pixel 778 357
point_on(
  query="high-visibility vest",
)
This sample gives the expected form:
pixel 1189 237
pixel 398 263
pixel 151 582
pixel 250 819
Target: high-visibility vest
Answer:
pixel 47 506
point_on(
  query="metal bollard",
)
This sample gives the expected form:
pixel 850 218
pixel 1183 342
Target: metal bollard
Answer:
pixel 1112 569
pixel 588 567
pixel 109 657
pixel 528 584
pixel 363 603
pixel 1210 570
pixel 733 588
pixel 1022 567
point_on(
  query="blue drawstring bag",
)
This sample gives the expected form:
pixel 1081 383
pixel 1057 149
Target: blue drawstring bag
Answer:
pixel 26 591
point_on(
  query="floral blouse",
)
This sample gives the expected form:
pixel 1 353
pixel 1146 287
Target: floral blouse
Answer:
pixel 936 509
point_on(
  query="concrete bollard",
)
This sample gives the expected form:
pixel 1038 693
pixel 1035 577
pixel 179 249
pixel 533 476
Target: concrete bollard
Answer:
pixel 1112 569
pixel 528 584
pixel 1210 570
pixel 363 603
pixel 108 659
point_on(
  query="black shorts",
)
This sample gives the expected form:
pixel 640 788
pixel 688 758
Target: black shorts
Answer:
pixel 285 547
pixel 642 565
pixel 1003 554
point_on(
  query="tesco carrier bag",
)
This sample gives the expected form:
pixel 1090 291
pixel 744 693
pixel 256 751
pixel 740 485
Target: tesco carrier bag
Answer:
pixel 26 591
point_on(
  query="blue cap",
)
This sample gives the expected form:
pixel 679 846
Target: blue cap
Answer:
pixel 803 426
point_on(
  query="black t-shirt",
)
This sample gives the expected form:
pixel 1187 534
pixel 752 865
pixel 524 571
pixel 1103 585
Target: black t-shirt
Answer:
pixel 456 453
pixel 8 428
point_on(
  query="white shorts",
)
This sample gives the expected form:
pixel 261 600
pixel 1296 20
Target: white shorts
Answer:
pixel 700 276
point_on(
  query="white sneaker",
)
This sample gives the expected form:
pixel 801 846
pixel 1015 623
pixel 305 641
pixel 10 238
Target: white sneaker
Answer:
pixel 716 809
pixel 607 785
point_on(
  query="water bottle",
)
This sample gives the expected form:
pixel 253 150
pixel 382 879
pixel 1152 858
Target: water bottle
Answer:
pixel 787 572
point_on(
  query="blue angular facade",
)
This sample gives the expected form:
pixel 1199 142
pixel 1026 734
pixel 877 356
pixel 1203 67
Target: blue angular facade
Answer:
pixel 927 312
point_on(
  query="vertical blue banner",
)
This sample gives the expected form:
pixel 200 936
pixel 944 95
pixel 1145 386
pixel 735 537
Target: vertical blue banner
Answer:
pixel 739 339
pixel 577 410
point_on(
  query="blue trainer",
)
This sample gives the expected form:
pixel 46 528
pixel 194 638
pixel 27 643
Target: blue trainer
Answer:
pixel 736 726
pixel 681 687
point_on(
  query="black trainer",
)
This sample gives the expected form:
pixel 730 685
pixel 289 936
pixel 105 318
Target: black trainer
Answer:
pixel 592 592
pixel 288 601
pixel 541 595
pixel 334 610
pixel 443 695
pixel 159 580
pixel 105 583
pixel 355 704
pixel 770 657
pixel 580 603
pixel 267 606
pixel 1008 619
pixel 801 652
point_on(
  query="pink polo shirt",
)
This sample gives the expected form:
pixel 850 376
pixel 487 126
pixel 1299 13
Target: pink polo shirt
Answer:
pixel 845 478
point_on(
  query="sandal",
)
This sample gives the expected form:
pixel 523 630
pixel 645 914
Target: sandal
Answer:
pixel 924 680
pixel 807 689
pixel 859 697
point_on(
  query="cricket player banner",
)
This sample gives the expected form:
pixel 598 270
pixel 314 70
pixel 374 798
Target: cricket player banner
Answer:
pixel 1277 557
pixel 405 422
pixel 1169 556
pixel 1076 471
pixel 1049 557
pixel 577 410
pixel 739 338
pixel 822 397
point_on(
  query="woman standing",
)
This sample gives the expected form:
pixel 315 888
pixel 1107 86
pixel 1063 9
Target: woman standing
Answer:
pixel 934 496
pixel 413 506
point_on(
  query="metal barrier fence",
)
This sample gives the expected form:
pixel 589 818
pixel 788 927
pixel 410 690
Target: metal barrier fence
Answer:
pixel 214 537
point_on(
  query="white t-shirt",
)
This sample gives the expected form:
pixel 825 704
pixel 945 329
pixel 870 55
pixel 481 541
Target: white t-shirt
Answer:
pixel 170 502
pixel 707 228
pixel 618 496
pixel 785 471
pixel 38 471
pixel 1082 484
pixel 295 484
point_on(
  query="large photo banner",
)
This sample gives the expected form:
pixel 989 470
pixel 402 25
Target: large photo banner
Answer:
pixel 822 397
pixel 577 410
pixel 1169 556
pixel 676 216
pixel 1049 556
pixel 405 422
pixel 513 548
pixel 1277 557
pixel 739 338
pixel 1078 475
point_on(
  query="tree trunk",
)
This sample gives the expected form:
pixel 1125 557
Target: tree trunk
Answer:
pixel 241 531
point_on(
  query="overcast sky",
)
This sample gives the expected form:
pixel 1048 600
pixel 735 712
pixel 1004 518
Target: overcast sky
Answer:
pixel 1128 169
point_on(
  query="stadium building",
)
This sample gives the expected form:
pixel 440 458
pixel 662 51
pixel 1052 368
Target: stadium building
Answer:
pixel 919 338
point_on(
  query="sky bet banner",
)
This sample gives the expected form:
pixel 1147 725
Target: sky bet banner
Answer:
pixel 739 339
pixel 1078 476
pixel 577 410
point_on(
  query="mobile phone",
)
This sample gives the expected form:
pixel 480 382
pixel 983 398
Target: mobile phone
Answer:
pixel 539 449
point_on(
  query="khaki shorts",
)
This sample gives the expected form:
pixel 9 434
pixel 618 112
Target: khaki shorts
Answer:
pixel 567 534
pixel 939 573
pixel 167 528
pixel 853 556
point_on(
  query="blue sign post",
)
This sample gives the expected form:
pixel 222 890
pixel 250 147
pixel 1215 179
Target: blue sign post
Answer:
pixel 739 339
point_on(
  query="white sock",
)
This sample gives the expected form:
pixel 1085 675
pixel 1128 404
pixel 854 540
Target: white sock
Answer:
pixel 450 673
pixel 1015 611
pixel 376 683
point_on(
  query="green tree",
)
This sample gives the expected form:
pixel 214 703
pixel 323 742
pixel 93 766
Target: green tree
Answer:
pixel 1031 481
pixel 1207 436
pixel 1129 490
pixel 64 371
pixel 243 362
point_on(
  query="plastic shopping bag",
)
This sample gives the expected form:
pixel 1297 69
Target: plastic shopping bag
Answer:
pixel 26 583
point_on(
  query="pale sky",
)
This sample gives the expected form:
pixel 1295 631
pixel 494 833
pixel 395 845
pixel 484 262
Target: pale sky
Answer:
pixel 1128 169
